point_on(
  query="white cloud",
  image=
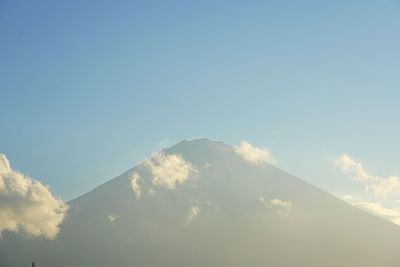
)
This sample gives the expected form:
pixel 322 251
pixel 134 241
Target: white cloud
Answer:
pixel 254 155
pixel 348 198
pixel 378 186
pixel 281 204
pixel 4 163
pixel 112 217
pixel 354 168
pixel 135 186
pixel 169 170
pixel 193 213
pixel 384 187
pixel 28 206
pixel 380 189
pixel 390 214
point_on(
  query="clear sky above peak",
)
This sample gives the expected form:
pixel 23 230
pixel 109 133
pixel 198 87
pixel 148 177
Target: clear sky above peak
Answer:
pixel 88 89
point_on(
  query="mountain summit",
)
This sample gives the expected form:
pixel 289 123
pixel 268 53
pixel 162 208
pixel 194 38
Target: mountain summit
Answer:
pixel 205 203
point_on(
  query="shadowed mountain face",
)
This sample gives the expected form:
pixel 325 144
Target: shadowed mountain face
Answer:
pixel 225 212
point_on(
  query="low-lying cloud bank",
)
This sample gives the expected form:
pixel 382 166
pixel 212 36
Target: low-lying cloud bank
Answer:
pixel 27 206
pixel 254 155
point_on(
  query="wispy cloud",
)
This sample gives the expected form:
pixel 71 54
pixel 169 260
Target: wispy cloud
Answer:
pixel 379 190
pixel 281 204
pixel 352 167
pixel 28 206
pixel 193 213
pixel 390 214
pixel 169 170
pixel 135 186
pixel 254 155
pixel 112 217
pixel 380 187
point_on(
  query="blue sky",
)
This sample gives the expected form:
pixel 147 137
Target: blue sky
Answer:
pixel 87 90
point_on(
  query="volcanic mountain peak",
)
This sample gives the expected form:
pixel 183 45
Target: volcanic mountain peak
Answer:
pixel 206 203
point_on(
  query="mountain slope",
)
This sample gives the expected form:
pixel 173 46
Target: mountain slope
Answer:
pixel 228 212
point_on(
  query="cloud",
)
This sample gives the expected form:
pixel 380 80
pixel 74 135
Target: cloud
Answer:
pixel 112 217
pixel 390 214
pixel 281 204
pixel 193 213
pixel 348 198
pixel 254 155
pixel 378 186
pixel 276 203
pixel 28 206
pixel 4 163
pixel 134 181
pixel 354 168
pixel 384 187
pixel 169 170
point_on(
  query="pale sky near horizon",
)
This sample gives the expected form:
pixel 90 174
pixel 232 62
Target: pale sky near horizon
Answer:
pixel 89 90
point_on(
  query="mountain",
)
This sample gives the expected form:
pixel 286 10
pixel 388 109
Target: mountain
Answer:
pixel 200 203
